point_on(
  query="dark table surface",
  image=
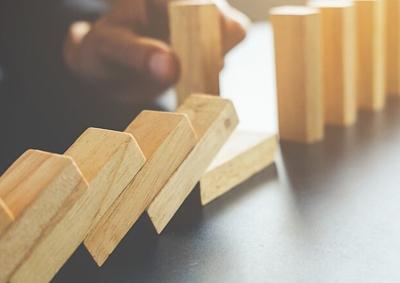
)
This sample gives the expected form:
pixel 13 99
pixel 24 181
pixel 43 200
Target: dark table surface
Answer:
pixel 326 212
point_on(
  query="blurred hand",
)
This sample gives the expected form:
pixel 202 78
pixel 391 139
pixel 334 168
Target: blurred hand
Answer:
pixel 126 54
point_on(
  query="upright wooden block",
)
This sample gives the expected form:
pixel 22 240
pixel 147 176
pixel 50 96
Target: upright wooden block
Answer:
pixel 370 25
pixel 213 119
pixel 392 47
pixel 298 72
pixel 109 160
pixel 39 190
pixel 196 38
pixel 244 154
pixel 165 139
pixel 338 61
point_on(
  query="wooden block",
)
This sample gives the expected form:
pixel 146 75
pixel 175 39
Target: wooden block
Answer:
pixel 39 189
pixel 6 217
pixel 109 160
pixel 244 154
pixel 393 47
pixel 297 39
pixel 213 119
pixel 196 38
pixel 165 139
pixel 370 26
pixel 338 61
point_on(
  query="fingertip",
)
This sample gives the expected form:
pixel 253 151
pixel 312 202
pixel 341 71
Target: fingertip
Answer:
pixel 164 67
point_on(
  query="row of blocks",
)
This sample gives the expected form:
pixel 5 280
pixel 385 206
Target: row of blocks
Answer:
pixel 333 58
pixel 96 191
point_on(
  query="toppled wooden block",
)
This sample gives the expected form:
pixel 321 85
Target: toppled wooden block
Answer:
pixel 39 190
pixel 6 216
pixel 213 119
pixel 165 139
pixel 393 47
pixel 109 160
pixel 297 40
pixel 370 23
pixel 338 61
pixel 196 38
pixel 244 154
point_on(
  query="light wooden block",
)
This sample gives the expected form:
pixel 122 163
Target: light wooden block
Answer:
pixel 392 47
pixel 165 139
pixel 370 25
pixel 213 119
pixel 196 39
pixel 39 189
pixel 297 37
pixel 6 217
pixel 109 160
pixel 338 61
pixel 244 155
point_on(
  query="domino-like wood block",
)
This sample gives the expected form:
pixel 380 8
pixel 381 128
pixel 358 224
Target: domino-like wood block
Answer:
pixel 165 139
pixel 6 216
pixel 370 25
pixel 39 190
pixel 196 38
pixel 244 154
pixel 392 47
pixel 338 61
pixel 297 37
pixel 109 160
pixel 213 119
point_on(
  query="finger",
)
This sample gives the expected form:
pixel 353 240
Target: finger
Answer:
pixel 76 33
pixel 234 25
pixel 145 55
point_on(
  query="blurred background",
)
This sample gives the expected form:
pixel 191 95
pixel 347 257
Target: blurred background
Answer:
pixel 256 9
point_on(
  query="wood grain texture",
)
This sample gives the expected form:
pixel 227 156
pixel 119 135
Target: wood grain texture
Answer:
pixel 213 119
pixel 392 47
pixel 6 216
pixel 338 61
pixel 109 160
pixel 370 25
pixel 39 189
pixel 196 39
pixel 165 139
pixel 244 154
pixel 297 38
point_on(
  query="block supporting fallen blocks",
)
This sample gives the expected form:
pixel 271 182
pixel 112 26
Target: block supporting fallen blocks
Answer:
pixel 108 160
pixel 165 139
pixel 39 190
pixel 213 119
pixel 338 61
pixel 297 39
pixel 196 39
pixel 370 25
pixel 244 154
pixel 392 47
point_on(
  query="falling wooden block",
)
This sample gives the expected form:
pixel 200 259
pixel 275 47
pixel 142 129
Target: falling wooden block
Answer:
pixel 298 73
pixel 338 61
pixel 213 119
pixel 370 25
pixel 109 160
pixel 196 39
pixel 6 217
pixel 392 47
pixel 39 190
pixel 165 139
pixel 244 154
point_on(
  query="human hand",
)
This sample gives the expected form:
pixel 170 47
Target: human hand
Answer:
pixel 126 52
